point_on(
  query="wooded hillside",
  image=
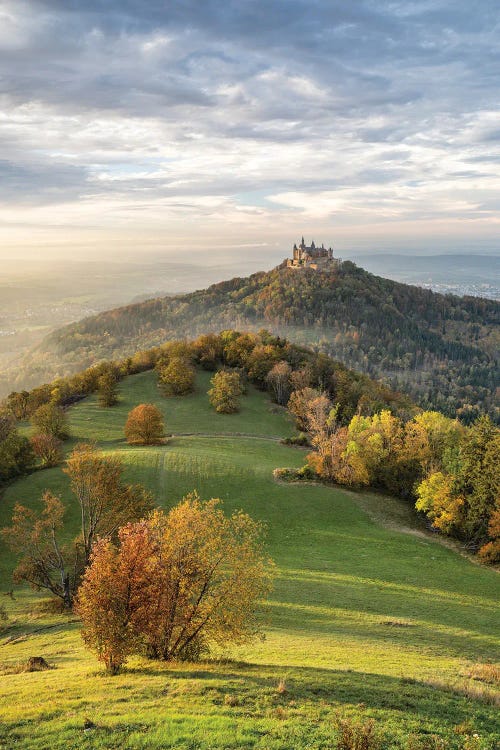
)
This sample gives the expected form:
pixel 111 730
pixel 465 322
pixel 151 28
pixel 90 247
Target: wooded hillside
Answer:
pixel 440 349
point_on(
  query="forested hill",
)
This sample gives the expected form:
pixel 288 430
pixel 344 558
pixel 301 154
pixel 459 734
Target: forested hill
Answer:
pixel 440 349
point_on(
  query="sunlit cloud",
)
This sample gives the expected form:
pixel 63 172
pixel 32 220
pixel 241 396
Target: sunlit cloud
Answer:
pixel 206 119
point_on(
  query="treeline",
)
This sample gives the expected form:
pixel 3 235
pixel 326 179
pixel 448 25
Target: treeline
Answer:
pixel 450 471
pixel 362 433
pixel 255 354
pixel 440 349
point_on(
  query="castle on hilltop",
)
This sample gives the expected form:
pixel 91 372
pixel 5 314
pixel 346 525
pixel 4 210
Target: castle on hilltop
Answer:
pixel 318 258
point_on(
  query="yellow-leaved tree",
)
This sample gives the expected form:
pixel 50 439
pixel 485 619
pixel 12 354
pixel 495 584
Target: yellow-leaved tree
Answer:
pixel 180 582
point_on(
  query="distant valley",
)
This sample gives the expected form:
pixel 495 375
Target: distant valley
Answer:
pixel 472 275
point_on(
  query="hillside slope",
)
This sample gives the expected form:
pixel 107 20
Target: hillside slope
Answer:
pixel 365 621
pixel 440 349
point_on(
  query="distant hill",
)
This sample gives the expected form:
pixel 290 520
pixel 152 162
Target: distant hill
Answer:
pixel 441 349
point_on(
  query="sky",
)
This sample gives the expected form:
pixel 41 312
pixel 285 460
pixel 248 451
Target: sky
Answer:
pixel 205 130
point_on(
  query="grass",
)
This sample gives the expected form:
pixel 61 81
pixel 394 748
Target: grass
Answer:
pixel 364 621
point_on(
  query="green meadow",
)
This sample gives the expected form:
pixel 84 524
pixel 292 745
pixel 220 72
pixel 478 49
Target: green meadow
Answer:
pixel 367 620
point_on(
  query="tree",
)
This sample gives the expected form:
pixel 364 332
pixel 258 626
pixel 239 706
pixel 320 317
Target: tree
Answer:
pixel 16 455
pixel 478 480
pixel 259 363
pixel 51 419
pixel 107 598
pixel 436 499
pixel 47 448
pixel 7 423
pixel 105 502
pixel 45 563
pixel 107 390
pixel 176 583
pixel 145 425
pixel 225 392
pixel 176 376
pixel 490 552
pixel 279 381
pixel 18 404
pixel 209 350
pixel 105 505
pixel 298 405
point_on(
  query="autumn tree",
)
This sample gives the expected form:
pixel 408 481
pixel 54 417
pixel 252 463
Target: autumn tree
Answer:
pixel 177 584
pixel 47 448
pixel 107 394
pixel 18 403
pixel 106 503
pixel 16 454
pixel 259 362
pixel 110 594
pixel 225 392
pixel 176 376
pixel 51 419
pixel 278 380
pixel 145 425
pixel 490 551
pixel 45 562
pixel 209 350
pixel 298 404
pixel 435 498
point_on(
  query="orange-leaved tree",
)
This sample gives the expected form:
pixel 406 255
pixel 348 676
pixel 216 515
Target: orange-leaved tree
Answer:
pixel 144 425
pixel 196 578
pixel 110 593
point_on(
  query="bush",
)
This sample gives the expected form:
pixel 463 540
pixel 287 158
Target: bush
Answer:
pixel 301 440
pixel 357 736
pixel 294 475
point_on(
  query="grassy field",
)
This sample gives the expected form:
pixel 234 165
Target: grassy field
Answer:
pixel 364 621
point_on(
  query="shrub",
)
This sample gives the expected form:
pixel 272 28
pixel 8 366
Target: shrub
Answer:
pixel 357 736
pixel 301 439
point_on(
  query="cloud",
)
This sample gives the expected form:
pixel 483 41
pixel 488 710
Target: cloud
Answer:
pixel 223 111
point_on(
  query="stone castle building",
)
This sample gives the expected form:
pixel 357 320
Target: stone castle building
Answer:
pixel 304 256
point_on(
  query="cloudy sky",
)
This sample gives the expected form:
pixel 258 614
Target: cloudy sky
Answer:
pixel 154 125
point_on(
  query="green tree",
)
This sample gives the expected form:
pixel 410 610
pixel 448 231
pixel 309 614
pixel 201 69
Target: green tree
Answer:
pixel 176 377
pixel 16 455
pixel 51 419
pixel 107 390
pixel 225 392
